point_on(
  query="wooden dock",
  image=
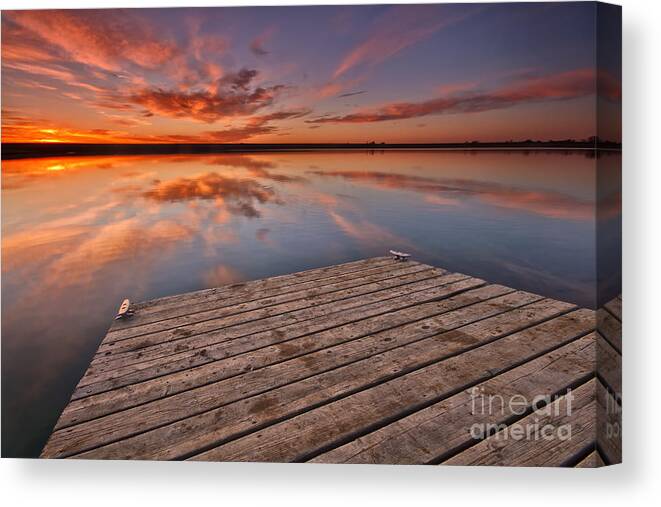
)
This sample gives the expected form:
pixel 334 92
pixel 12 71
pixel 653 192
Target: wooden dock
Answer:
pixel 373 361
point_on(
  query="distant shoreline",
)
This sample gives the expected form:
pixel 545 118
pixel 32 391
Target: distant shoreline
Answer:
pixel 37 150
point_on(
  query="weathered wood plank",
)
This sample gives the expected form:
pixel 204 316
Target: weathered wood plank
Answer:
pixel 449 426
pixel 391 300
pixel 238 303
pixel 193 345
pixel 609 366
pixel 610 328
pixel 592 460
pixel 615 307
pixel 303 436
pixel 173 301
pixel 176 340
pixel 257 289
pixel 370 361
pixel 609 425
pixel 209 420
pixel 112 401
pixel 503 449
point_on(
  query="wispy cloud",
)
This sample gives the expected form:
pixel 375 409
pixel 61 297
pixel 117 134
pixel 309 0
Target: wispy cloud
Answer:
pixel 106 39
pixel 351 94
pixel 562 86
pixel 397 29
pixel 257 45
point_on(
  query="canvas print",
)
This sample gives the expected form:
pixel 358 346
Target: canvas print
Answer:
pixel 382 234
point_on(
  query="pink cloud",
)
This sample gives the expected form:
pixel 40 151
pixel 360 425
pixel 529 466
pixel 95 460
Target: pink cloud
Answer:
pixel 234 95
pixel 257 45
pixel 454 88
pixel 105 39
pixel 398 28
pixel 561 86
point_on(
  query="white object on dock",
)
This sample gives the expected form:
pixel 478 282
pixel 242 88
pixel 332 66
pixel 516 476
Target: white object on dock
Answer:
pixel 124 310
pixel 399 256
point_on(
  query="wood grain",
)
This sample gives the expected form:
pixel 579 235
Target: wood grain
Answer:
pixel 372 361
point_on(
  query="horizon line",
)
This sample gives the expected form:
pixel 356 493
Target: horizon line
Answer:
pixel 20 150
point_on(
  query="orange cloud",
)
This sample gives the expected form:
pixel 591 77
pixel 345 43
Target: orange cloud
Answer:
pixel 123 60
pixel 233 96
pixel 17 128
pixel 19 43
pixel 106 39
pixel 23 131
pixel 205 45
pixel 40 69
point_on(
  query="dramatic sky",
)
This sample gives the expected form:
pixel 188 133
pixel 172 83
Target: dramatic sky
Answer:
pixel 430 73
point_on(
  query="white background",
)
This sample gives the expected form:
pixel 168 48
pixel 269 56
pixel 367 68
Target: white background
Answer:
pixel 94 484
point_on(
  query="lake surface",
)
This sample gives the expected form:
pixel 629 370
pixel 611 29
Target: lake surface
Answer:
pixel 79 234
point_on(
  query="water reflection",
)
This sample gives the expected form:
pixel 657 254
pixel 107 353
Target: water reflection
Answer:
pixel 80 234
pixel 449 192
pixel 237 196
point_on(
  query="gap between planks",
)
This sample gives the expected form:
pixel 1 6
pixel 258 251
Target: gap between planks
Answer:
pixel 360 370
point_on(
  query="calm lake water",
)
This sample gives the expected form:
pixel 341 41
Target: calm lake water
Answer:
pixel 81 234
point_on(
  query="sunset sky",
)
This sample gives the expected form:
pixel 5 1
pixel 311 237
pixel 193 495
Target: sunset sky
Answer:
pixel 434 73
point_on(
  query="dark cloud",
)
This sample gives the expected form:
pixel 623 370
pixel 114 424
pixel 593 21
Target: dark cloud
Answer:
pixel 234 95
pixel 257 45
pixel 257 49
pixel 238 80
pixel 284 115
pixel 257 125
pixel 351 94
